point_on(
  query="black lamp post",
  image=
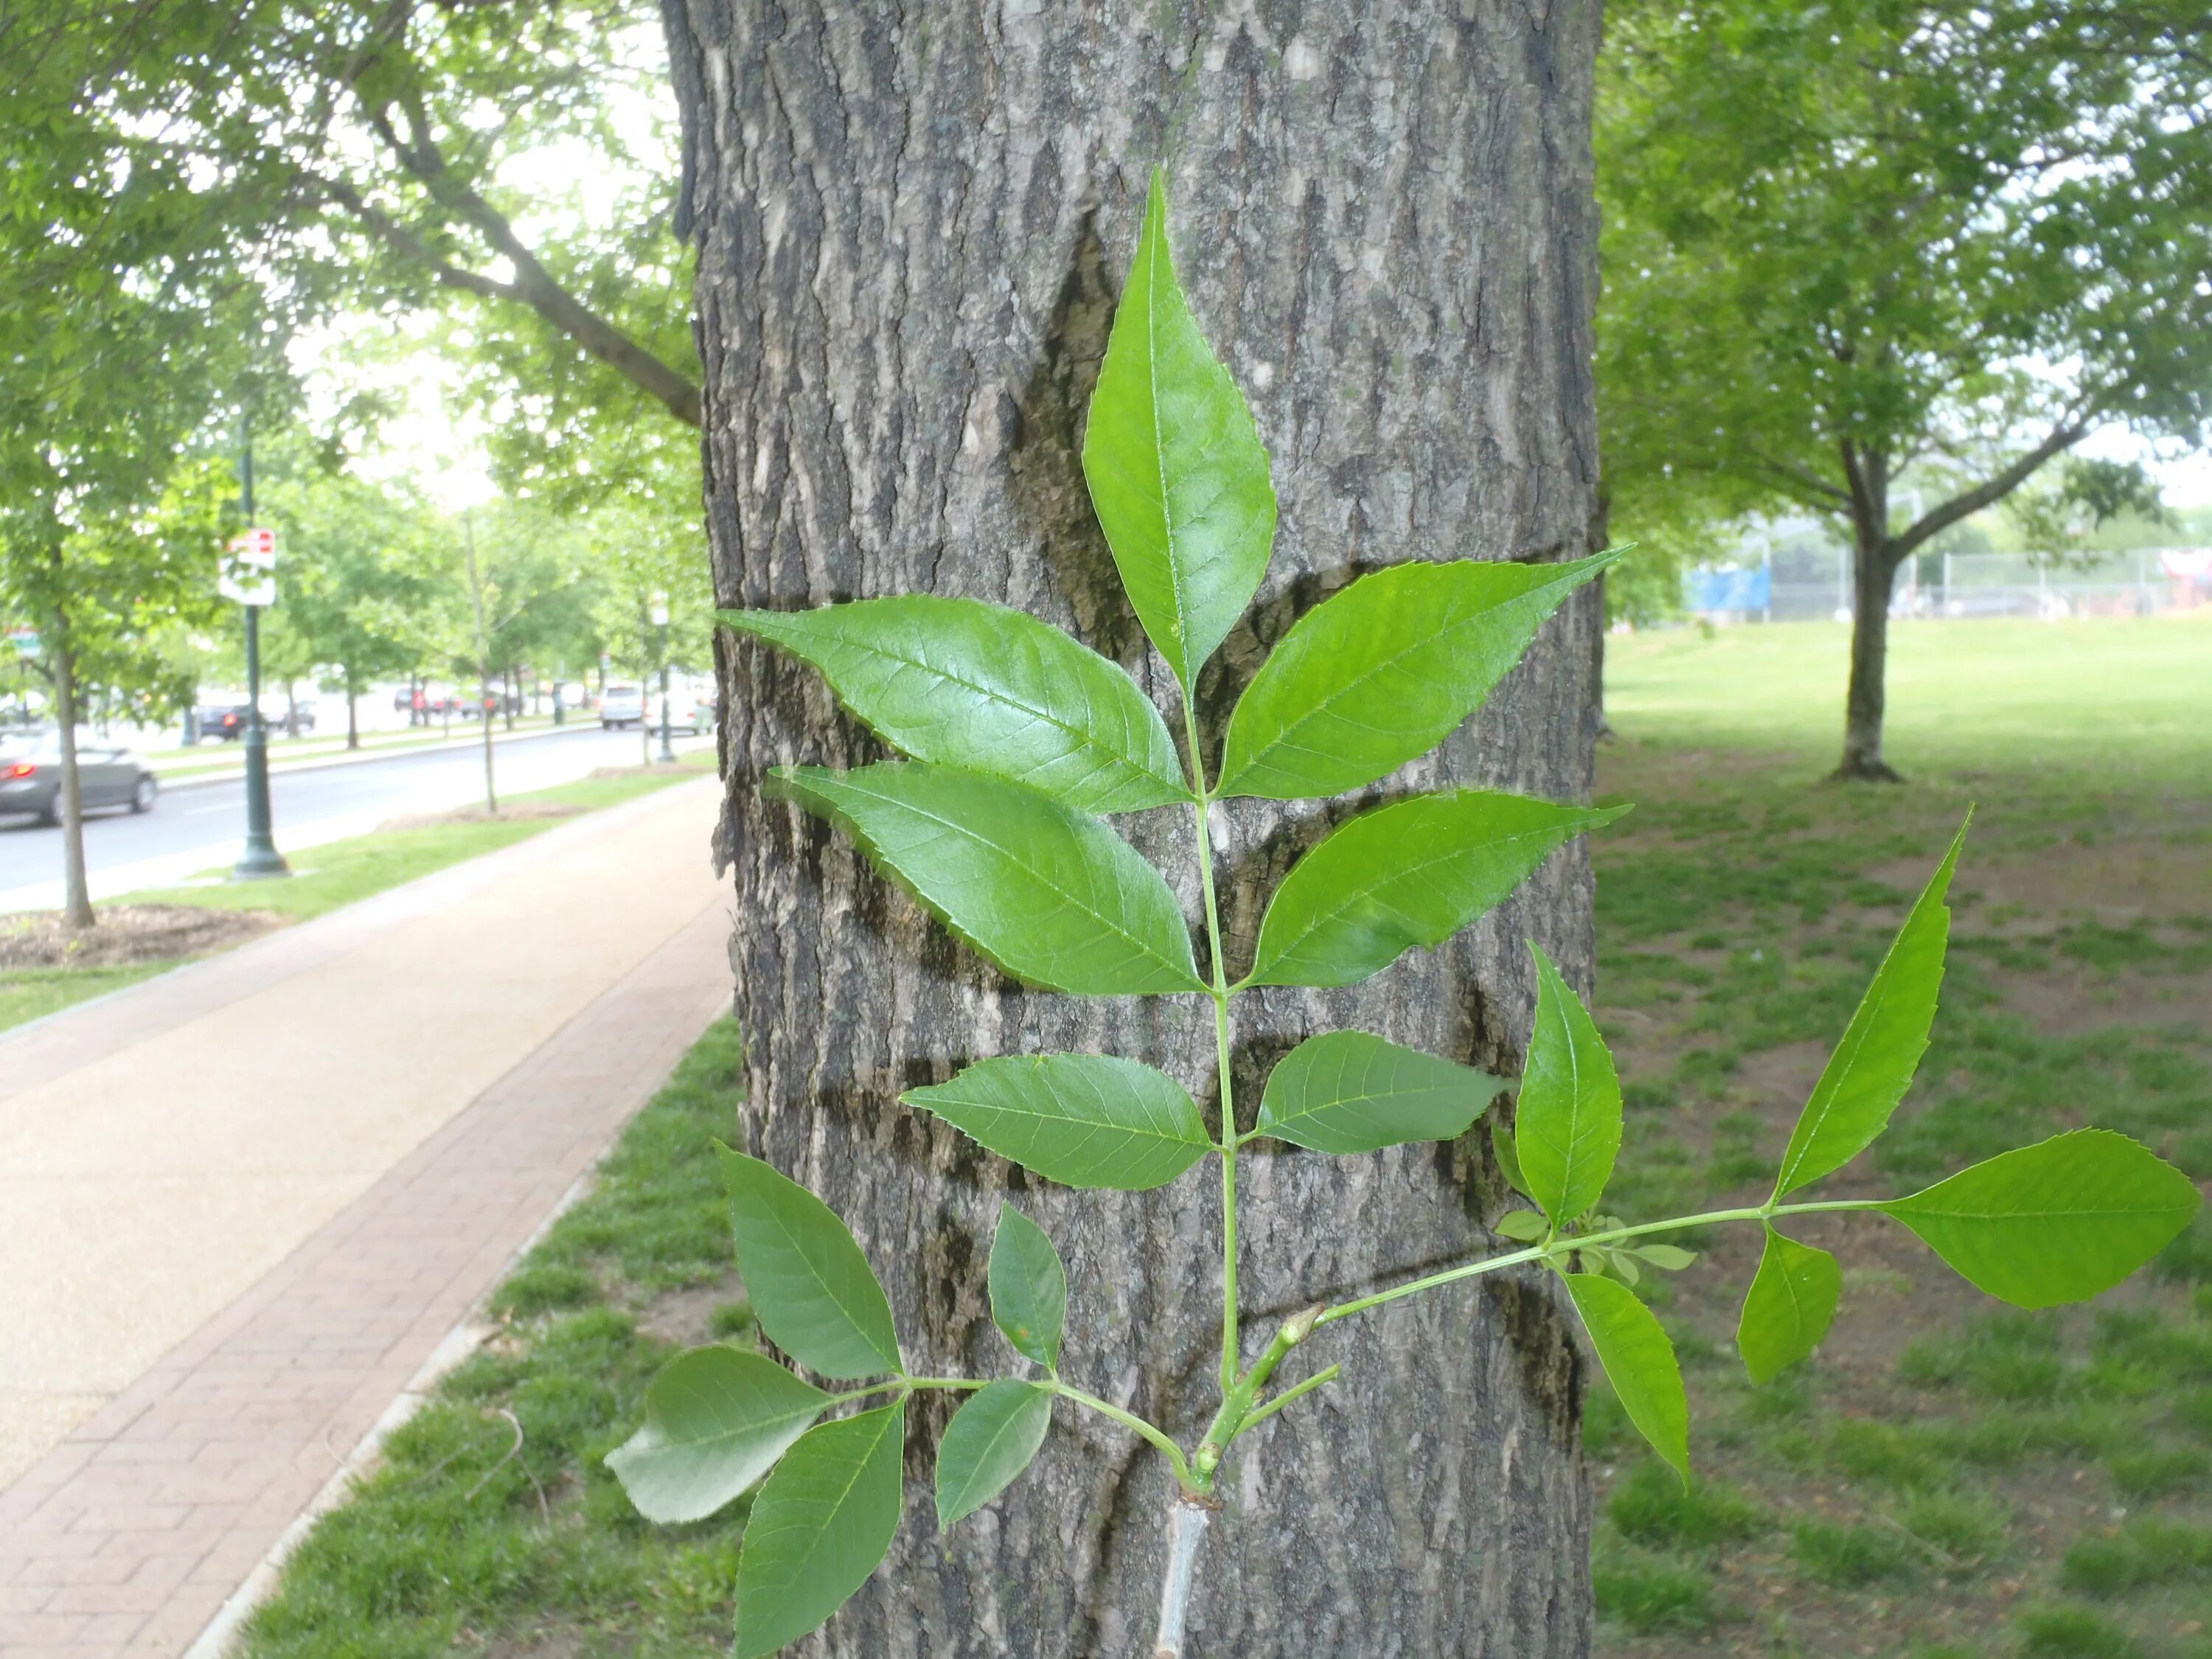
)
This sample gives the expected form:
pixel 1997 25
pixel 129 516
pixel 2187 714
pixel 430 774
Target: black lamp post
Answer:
pixel 260 860
pixel 660 622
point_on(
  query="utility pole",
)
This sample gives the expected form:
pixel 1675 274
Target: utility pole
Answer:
pixel 259 861
pixel 483 660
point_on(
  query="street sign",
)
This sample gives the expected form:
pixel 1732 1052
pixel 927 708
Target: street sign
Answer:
pixel 247 568
pixel 27 641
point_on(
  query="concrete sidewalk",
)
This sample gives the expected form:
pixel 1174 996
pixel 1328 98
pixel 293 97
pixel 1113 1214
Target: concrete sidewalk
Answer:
pixel 242 1205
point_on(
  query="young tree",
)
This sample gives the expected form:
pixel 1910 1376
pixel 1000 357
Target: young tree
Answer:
pixel 367 581
pixel 1848 239
pixel 909 243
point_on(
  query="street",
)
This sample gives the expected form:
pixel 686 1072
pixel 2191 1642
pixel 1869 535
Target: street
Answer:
pixel 195 827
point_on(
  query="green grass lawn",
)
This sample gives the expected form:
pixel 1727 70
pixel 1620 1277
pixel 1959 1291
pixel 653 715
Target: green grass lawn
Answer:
pixel 2120 701
pixel 337 873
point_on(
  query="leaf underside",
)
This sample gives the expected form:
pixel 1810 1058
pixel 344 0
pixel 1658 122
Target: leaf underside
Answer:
pixel 1081 1120
pixel 811 1288
pixel 991 1439
pixel 1028 1288
pixel 715 1421
pixel 818 1528
pixel 1640 1362
pixel 1789 1307
pixel 1051 894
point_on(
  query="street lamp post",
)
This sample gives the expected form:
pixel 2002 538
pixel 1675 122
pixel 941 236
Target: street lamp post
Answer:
pixel 259 861
pixel 660 622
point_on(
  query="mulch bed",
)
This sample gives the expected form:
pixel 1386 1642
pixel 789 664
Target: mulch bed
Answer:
pixel 125 934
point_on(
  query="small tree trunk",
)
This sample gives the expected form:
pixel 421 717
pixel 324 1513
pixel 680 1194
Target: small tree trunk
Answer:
pixel 1874 569
pixel 76 885
pixel 353 712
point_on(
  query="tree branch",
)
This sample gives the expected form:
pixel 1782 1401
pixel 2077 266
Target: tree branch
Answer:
pixel 533 285
pixel 411 247
pixel 2061 437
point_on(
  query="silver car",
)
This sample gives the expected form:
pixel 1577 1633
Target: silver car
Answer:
pixel 108 775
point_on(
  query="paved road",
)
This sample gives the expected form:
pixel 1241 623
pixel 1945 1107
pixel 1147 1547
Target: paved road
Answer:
pixel 193 828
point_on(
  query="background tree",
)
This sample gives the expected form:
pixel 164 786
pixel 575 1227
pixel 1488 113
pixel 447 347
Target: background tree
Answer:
pixel 1847 238
pixel 367 581
pixel 903 299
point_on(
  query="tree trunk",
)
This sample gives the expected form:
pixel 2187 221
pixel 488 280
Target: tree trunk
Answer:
pixel 353 712
pixel 910 240
pixel 1873 572
pixel 76 885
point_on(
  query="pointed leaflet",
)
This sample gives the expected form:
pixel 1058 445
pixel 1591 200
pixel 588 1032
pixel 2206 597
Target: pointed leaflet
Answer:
pixel 1509 1157
pixel 1411 873
pixel 1051 894
pixel 1028 1288
pixel 992 690
pixel 818 1528
pixel 1640 1362
pixel 1345 1091
pixel 987 1445
pixel 1566 1126
pixel 1873 1065
pixel 2059 1221
pixel 811 1289
pixel 1385 670
pixel 1081 1120
pixel 715 1421
pixel 1788 1308
pixel 1174 465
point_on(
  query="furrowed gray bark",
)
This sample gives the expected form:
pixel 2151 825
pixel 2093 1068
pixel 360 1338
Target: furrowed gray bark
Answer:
pixel 911 227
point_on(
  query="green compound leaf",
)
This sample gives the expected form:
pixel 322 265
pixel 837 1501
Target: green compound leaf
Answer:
pixel 1385 670
pixel 818 1528
pixel 2059 1221
pixel 1081 1120
pixel 811 1289
pixel 1349 1092
pixel 1174 465
pixel 1525 1226
pixel 1409 874
pixel 994 690
pixel 1048 893
pixel 1873 1065
pixel 1640 1361
pixel 1671 1257
pixel 1028 1288
pixel 715 1421
pixel 987 1445
pixel 1788 1308
pixel 1566 1126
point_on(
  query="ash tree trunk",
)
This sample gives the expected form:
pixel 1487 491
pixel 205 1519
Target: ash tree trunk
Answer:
pixel 910 227
pixel 1875 555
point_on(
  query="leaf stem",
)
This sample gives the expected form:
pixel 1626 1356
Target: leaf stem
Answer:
pixel 1262 1414
pixel 1562 1246
pixel 911 1383
pixel 1129 1420
pixel 1202 812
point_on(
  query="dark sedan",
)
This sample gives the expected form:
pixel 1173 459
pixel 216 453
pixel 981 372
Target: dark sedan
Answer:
pixel 108 775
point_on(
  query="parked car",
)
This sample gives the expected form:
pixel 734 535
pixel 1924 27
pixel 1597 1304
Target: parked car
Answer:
pixel 623 705
pixel 107 775
pixel 222 716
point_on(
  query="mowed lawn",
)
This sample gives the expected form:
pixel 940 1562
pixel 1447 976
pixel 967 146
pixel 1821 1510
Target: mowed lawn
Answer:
pixel 1946 1478
pixel 2116 701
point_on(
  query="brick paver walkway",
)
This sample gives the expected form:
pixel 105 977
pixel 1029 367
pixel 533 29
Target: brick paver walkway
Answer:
pixel 130 1536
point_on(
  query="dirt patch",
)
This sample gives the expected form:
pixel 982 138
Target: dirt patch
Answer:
pixel 128 934
pixel 515 812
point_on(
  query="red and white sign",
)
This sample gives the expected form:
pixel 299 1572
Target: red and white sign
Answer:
pixel 247 569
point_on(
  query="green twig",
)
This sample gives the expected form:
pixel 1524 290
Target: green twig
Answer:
pixel 1262 1414
pixel 1129 1420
